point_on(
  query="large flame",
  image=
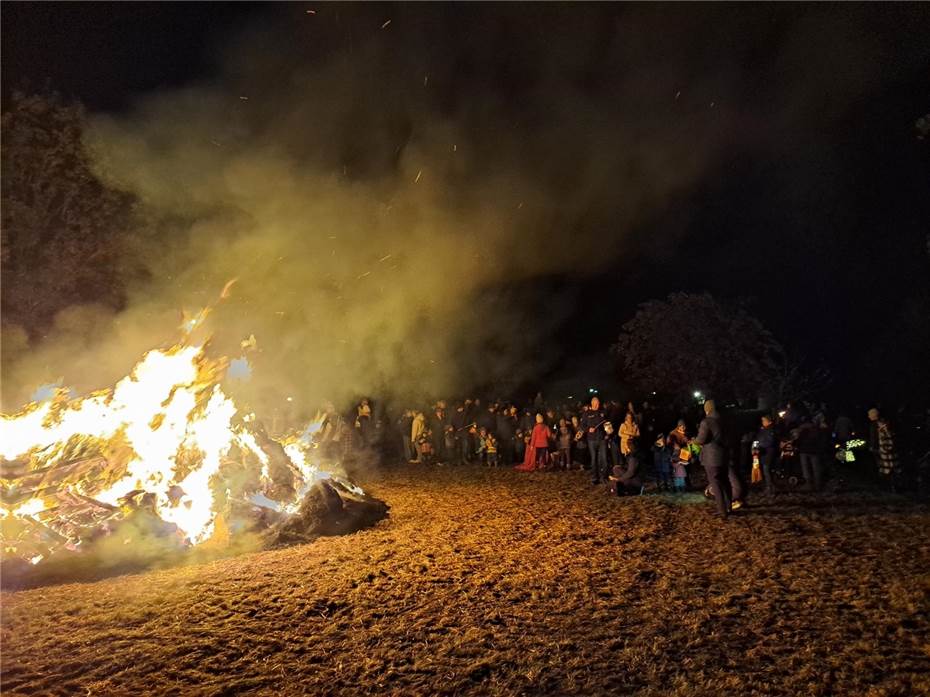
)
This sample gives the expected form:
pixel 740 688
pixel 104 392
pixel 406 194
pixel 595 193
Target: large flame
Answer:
pixel 166 429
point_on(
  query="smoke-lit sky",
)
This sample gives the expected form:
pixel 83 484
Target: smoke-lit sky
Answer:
pixel 454 194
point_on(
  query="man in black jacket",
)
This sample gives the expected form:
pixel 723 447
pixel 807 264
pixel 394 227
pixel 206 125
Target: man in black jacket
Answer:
pixel 713 457
pixel 505 428
pixel 592 421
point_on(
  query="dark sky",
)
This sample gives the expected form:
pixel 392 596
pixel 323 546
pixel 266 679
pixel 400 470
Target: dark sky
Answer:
pixel 817 208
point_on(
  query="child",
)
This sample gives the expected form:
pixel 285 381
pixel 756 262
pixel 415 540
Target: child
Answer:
pixel 565 448
pixel 613 445
pixel 537 453
pixel 662 459
pixel 680 473
pixel 425 444
pixel 579 445
pixel 482 445
pixel 490 446
pixel 449 442
pixel 677 442
pixel 540 439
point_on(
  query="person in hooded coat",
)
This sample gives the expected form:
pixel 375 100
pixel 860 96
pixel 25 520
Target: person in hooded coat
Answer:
pixel 537 452
pixel 713 457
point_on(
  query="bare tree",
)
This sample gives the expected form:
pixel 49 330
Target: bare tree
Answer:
pixel 790 379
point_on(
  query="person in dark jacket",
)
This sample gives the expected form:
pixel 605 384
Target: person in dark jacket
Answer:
pixel 437 423
pixel 768 451
pixel 404 424
pixel 459 423
pixel 730 427
pixel 627 477
pixel 505 428
pixel 843 430
pixel 662 463
pixel 810 447
pixel 488 419
pixel 713 457
pixel 592 423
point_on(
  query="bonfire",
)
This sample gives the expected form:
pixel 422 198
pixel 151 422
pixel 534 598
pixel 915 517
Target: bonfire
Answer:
pixel 164 455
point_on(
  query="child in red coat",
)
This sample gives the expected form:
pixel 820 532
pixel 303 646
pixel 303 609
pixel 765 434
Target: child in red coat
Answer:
pixel 537 451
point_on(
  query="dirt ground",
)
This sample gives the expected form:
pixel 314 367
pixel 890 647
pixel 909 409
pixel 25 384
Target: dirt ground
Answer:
pixel 497 582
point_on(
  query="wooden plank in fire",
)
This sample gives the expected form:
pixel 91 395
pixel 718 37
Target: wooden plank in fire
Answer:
pixel 51 473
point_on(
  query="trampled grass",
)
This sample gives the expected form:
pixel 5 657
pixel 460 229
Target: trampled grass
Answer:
pixel 497 582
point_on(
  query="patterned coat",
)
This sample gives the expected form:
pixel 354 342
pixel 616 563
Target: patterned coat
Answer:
pixel 888 463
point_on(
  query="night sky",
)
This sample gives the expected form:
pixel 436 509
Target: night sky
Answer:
pixel 816 206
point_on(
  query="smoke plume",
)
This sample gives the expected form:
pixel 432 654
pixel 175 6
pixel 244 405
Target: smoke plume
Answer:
pixel 387 193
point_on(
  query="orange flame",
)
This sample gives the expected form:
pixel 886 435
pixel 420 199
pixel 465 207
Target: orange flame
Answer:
pixel 166 428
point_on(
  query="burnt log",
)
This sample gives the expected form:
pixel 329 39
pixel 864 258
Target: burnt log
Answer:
pixel 330 507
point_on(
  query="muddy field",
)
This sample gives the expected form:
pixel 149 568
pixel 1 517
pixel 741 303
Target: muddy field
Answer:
pixel 495 582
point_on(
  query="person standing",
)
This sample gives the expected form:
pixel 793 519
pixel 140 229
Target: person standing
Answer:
pixel 437 426
pixel 418 426
pixel 537 451
pixel 488 419
pixel 843 430
pixel 662 463
pixel 592 423
pixel 579 446
pixel 809 448
pixel 564 460
pixel 405 424
pixel 363 421
pixel 768 451
pixel 612 443
pixel 481 446
pixel 459 425
pixel 881 443
pixel 505 428
pixel 713 457
pixel 449 444
pixel 677 441
pixel 679 475
pixel 629 430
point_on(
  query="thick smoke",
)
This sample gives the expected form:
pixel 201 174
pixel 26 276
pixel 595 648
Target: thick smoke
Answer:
pixel 386 193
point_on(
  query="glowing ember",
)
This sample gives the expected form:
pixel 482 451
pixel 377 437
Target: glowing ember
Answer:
pixel 166 431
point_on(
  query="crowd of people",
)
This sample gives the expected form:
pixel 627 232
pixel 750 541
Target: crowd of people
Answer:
pixel 632 448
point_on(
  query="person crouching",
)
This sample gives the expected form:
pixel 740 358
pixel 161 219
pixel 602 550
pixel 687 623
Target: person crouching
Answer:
pixel 626 479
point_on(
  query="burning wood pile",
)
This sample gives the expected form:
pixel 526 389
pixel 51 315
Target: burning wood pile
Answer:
pixel 166 461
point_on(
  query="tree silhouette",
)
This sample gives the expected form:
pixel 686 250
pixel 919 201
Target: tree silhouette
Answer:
pixel 694 342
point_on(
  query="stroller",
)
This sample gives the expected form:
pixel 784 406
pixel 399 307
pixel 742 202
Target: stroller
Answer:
pixel 787 468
